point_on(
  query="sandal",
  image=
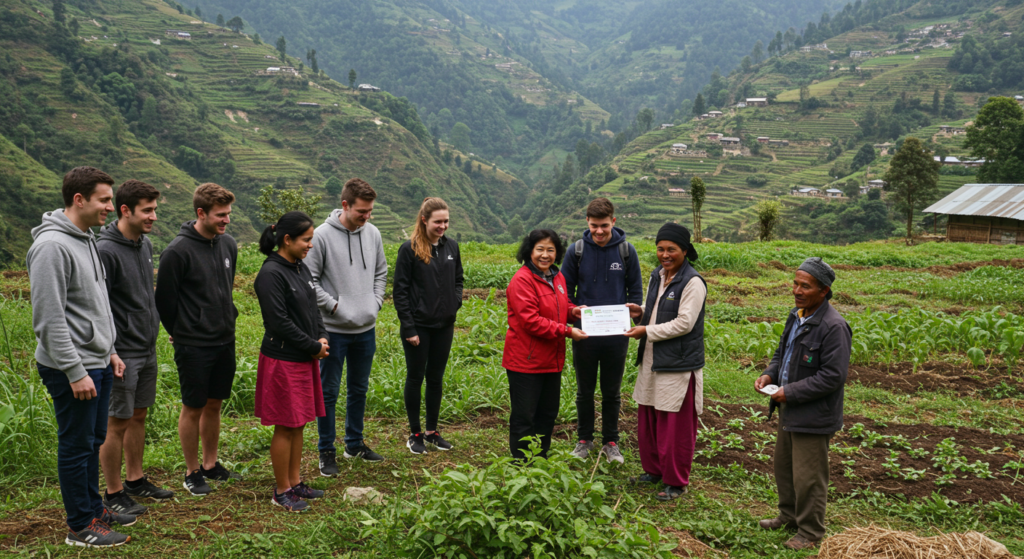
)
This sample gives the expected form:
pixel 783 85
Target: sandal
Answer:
pixel 670 492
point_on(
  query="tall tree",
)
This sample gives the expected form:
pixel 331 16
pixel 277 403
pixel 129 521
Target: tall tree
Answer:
pixel 758 53
pixel 352 78
pixel 997 136
pixel 913 178
pixel 282 49
pixel 460 137
pixel 865 155
pixel 311 57
pixel 767 217
pixel 699 107
pixel 697 193
pixel 58 11
pixel 236 24
pixel 936 107
pixel 645 118
pixel 220 20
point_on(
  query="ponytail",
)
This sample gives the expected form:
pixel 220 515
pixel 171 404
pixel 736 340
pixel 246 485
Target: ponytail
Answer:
pixel 292 224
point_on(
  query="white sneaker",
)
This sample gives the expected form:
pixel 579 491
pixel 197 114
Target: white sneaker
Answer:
pixel 583 449
pixel 611 452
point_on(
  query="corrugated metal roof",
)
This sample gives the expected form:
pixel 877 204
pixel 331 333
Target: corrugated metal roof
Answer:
pixel 992 200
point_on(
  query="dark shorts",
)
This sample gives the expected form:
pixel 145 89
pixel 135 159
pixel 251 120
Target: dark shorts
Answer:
pixel 205 372
pixel 136 390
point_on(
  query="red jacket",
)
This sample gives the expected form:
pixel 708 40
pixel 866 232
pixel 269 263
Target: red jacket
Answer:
pixel 538 319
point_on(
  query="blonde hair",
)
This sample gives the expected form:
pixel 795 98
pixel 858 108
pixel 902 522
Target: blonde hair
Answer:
pixel 419 240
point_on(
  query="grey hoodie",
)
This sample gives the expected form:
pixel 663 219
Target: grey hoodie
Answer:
pixel 350 271
pixel 70 310
pixel 129 266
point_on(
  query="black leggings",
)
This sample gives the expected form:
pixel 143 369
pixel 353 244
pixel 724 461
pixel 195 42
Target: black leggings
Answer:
pixel 427 360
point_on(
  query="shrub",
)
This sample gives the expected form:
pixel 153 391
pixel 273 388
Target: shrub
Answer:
pixel 542 508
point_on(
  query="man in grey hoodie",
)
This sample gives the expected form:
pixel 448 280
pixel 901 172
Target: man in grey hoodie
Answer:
pixel 349 274
pixel 75 351
pixel 127 255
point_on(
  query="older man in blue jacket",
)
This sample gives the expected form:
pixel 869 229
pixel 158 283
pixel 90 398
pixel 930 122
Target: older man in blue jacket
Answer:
pixel 809 368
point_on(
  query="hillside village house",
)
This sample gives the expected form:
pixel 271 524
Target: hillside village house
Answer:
pixel 729 141
pixel 666 126
pixel 778 143
pixel 278 70
pixel 676 192
pixel 805 192
pixel 860 53
pixel 984 213
pixel 307 104
pixel 714 114
pixel 678 149
pixel 763 139
pixel 954 130
pixel 174 33
pixel 834 193
pixel 757 101
pixel 714 136
pixel 367 87
pixel 741 105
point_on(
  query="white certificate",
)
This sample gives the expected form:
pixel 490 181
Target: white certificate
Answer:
pixel 611 320
pixel 769 389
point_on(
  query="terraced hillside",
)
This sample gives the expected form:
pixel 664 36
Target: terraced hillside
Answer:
pixel 825 106
pixel 110 87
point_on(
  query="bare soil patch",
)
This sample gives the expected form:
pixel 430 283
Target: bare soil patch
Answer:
pixel 940 270
pixel 936 376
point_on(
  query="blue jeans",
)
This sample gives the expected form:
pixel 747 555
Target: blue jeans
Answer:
pixel 359 350
pixel 81 430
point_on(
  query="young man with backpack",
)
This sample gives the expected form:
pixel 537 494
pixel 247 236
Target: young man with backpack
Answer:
pixel 193 295
pixel 601 269
pixel 75 352
pixel 127 255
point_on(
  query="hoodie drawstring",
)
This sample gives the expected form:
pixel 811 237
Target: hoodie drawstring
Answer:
pixel 349 237
pixel 361 253
pixel 93 249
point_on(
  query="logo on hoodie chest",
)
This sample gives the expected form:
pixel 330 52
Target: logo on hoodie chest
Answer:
pixel 227 263
pixel 615 267
pixel 560 290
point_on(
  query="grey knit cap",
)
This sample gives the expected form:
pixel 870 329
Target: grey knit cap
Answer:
pixel 821 272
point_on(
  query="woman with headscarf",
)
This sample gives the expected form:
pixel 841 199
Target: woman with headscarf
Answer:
pixel 669 389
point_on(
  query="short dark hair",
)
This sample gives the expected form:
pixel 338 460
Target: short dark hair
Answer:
pixel 600 208
pixel 357 188
pixel 82 180
pixel 209 195
pixel 133 192
pixel 536 236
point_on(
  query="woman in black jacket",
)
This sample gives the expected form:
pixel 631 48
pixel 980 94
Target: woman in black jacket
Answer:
pixel 288 393
pixel 427 294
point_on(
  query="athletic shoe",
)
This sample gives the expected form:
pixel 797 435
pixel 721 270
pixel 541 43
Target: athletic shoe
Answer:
pixel 146 490
pixel 121 503
pixel 289 501
pixel 364 452
pixel 196 484
pixel 219 473
pixel 583 449
pixel 415 444
pixel 611 452
pixel 328 463
pixel 304 491
pixel 96 534
pixel 110 518
pixel 436 440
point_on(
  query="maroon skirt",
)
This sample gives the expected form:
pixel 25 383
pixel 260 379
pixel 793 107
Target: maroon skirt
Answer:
pixel 288 393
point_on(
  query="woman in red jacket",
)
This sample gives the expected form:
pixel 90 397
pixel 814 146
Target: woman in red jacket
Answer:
pixel 538 316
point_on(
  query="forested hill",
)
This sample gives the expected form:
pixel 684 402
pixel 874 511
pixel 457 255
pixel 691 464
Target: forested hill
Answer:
pixel 113 84
pixel 834 114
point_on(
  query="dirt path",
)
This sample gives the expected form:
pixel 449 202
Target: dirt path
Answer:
pixel 719 169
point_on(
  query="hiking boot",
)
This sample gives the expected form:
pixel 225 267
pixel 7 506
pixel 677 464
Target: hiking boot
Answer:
pixel 110 518
pixel 96 534
pixel 611 452
pixel 645 478
pixel 415 444
pixel 799 543
pixel 289 501
pixel 121 503
pixel 364 452
pixel 219 473
pixel 328 463
pixel 196 484
pixel 439 442
pixel 144 489
pixel 304 491
pixel 583 449
pixel 775 524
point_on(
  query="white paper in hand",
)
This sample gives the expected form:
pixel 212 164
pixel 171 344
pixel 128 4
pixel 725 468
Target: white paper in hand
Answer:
pixel 769 389
pixel 612 320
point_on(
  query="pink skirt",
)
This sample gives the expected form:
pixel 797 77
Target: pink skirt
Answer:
pixel 288 393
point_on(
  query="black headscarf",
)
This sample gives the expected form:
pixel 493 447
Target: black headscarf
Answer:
pixel 678 235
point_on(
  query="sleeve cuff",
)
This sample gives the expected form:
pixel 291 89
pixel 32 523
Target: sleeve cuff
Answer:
pixel 76 373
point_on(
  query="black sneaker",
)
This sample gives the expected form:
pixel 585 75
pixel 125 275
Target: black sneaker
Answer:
pixel 146 490
pixel 96 534
pixel 289 501
pixel 110 518
pixel 219 473
pixel 328 463
pixel 415 444
pixel 304 491
pixel 436 440
pixel 121 503
pixel 364 452
pixel 196 484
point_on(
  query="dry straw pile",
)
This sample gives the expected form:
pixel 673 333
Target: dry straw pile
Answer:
pixel 874 542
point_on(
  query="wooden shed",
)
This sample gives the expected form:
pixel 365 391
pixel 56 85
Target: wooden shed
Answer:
pixel 984 213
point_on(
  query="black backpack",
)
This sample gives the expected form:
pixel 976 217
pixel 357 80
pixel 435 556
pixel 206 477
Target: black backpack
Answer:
pixel 623 253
